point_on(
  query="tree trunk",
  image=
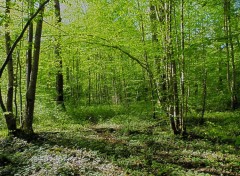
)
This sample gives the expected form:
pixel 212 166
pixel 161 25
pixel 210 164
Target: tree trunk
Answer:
pixel 148 68
pixel 20 90
pixel 168 47
pixel 59 77
pixel 230 55
pixel 89 86
pixel 182 78
pixel 204 96
pixel 157 61
pixel 30 95
pixel 162 14
pixel 30 44
pixel 9 116
pixel 173 84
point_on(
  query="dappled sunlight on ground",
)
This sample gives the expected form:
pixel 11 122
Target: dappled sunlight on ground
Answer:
pixel 117 149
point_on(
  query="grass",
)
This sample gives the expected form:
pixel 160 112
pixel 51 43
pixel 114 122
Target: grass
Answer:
pixel 119 141
pixel 222 127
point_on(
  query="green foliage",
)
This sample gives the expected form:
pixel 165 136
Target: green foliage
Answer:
pixel 112 67
pixel 237 143
pixel 222 127
pixel 2 124
pixel 126 143
pixel 93 114
pixel 4 159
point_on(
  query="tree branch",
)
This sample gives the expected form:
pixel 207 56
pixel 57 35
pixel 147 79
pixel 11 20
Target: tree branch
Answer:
pixel 20 36
pixel 144 66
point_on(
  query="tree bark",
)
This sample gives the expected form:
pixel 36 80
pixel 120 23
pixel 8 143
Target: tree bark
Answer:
pixel 204 96
pixel 30 95
pixel 9 116
pixel 30 45
pixel 182 78
pixel 89 85
pixel 230 55
pixel 59 76
pixel 173 98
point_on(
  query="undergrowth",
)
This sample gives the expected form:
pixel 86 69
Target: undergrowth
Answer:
pixel 118 140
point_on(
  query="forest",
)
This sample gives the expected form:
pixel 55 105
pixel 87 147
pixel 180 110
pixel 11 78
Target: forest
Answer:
pixel 127 87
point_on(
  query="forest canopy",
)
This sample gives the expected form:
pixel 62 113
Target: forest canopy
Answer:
pixel 166 66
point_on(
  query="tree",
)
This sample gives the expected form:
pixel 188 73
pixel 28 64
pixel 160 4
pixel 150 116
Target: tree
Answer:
pixel 31 91
pixel 30 44
pixel 11 122
pixel 8 110
pixel 59 76
pixel 230 53
pixel 182 77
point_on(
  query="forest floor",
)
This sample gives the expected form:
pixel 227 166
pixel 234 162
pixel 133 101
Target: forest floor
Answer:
pixel 124 145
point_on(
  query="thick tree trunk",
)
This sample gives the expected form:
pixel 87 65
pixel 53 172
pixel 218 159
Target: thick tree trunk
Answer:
pixel 9 116
pixel 30 95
